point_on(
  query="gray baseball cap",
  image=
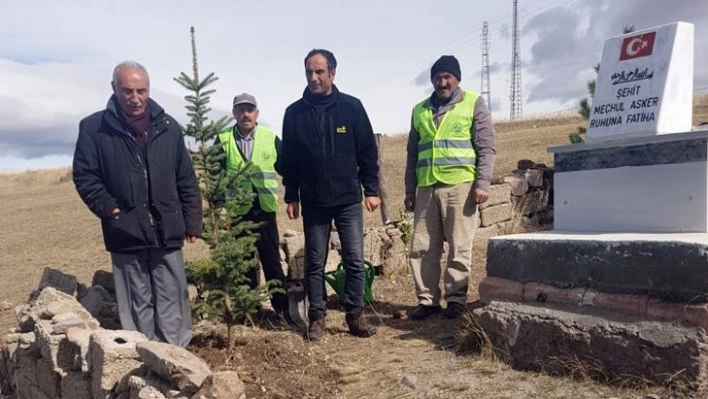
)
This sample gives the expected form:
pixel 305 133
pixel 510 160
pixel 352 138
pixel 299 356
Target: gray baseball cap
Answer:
pixel 245 98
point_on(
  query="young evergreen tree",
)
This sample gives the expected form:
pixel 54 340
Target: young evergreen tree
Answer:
pixel 221 279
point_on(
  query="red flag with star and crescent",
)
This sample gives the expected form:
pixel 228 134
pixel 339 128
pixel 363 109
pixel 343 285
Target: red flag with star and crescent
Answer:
pixel 637 46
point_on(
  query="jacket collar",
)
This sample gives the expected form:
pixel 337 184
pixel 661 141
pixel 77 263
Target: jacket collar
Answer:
pixel 457 97
pixel 312 99
pixel 115 120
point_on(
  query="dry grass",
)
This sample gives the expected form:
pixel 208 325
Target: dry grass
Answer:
pixel 44 223
pixel 700 109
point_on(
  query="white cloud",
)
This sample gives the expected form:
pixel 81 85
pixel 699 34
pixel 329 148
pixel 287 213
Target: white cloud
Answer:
pixel 56 58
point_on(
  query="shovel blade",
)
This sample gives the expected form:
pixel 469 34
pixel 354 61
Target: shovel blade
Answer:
pixel 298 304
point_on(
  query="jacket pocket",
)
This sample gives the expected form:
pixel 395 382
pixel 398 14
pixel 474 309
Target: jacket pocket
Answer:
pixel 170 221
pixel 122 231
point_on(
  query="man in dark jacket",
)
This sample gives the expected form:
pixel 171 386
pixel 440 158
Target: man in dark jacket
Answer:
pixel 133 171
pixel 329 152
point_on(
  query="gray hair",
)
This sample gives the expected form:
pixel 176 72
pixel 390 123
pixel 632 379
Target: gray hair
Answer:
pixel 128 64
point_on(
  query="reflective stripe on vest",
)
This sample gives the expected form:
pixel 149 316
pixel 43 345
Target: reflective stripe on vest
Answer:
pixel 445 153
pixel 263 158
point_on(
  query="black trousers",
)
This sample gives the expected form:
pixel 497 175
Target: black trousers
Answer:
pixel 268 247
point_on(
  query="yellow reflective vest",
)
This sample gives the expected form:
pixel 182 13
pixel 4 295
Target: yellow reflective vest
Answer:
pixel 445 153
pixel 263 158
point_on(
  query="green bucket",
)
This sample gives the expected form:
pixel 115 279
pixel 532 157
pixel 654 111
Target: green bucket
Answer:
pixel 336 278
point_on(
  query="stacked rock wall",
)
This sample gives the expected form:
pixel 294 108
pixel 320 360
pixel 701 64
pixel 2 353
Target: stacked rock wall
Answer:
pixel 59 350
pixel 518 203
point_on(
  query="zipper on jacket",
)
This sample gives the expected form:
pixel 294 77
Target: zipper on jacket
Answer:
pixel 324 155
pixel 145 176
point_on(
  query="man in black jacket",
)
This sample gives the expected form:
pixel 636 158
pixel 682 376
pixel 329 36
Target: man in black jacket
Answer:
pixel 133 171
pixel 329 152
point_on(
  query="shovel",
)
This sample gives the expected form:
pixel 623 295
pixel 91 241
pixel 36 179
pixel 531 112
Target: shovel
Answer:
pixel 297 297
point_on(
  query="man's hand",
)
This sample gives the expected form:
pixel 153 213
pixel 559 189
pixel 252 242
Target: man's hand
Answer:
pixel 191 239
pixel 115 211
pixel 409 202
pixel 372 203
pixel 480 195
pixel 293 210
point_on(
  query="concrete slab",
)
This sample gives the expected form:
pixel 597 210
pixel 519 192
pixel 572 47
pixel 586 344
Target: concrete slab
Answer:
pixel 670 267
pixel 629 199
pixel 112 358
pixel 613 347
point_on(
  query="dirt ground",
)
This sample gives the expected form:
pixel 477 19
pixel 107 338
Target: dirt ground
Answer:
pixel 44 223
pixel 406 359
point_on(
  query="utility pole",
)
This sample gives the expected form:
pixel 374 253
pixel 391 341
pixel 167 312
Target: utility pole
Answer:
pixel 486 91
pixel 515 96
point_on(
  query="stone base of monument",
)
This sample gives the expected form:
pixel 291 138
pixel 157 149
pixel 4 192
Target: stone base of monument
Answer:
pixel 596 343
pixel 667 266
pixel 645 184
pixel 628 306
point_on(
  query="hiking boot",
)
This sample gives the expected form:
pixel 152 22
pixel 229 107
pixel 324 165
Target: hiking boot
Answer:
pixel 421 312
pixel 316 329
pixel 359 326
pixel 454 310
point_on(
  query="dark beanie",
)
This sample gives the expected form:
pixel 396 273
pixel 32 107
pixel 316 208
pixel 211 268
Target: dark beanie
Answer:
pixel 447 63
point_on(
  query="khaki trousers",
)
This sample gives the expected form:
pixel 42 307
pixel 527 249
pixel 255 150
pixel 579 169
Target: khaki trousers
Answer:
pixel 443 213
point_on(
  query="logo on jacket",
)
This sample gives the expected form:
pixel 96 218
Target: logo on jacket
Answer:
pixel 457 128
pixel 341 129
pixel 265 155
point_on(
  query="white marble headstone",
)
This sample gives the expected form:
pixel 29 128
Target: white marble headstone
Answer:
pixel 645 84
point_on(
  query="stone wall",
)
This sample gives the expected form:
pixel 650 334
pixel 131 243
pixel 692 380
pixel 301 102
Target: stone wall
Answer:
pixel 62 349
pixel 520 202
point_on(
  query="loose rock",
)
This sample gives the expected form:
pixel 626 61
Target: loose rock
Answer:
pixel 409 381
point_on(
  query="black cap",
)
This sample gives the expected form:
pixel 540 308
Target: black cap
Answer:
pixel 447 63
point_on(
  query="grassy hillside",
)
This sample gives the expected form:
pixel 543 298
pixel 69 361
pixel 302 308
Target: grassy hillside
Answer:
pixel 44 223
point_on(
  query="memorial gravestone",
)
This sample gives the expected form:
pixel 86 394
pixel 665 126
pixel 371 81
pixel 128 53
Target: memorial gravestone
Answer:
pixel 621 283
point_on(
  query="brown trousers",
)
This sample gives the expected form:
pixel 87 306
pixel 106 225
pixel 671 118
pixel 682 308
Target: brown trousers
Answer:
pixel 443 213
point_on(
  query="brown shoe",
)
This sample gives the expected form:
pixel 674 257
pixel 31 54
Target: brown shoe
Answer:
pixel 316 329
pixel 359 326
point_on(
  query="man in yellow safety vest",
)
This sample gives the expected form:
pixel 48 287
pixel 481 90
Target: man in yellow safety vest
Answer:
pixel 451 150
pixel 245 142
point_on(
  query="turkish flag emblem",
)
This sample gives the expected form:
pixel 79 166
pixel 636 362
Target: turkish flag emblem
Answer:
pixel 637 46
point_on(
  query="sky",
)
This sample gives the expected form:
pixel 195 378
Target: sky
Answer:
pixel 57 58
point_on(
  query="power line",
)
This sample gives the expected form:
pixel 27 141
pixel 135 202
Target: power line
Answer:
pixel 449 46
